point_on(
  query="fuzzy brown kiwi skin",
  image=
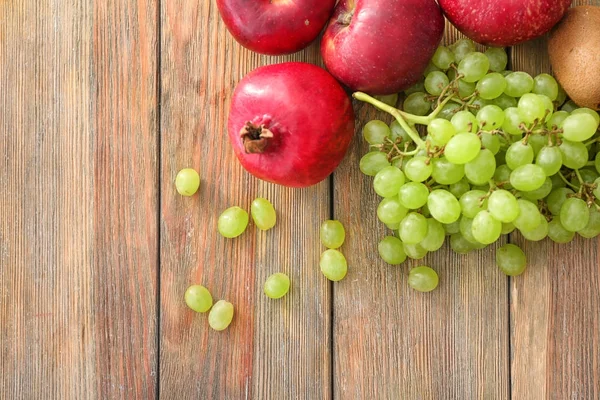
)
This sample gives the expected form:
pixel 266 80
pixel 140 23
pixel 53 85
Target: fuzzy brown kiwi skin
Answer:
pixel 574 49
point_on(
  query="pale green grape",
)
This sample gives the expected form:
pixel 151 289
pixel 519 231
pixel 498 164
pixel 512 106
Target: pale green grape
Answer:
pixel 232 222
pixel 503 206
pixel 371 163
pixel 445 172
pixel 391 250
pixel 414 251
pixel 466 89
pixel 440 131
pixel 452 228
pixel 263 214
pixel 498 58
pixel 537 142
pixel 527 177
pixel 512 121
pixel 435 82
pixel 472 202
pixel 479 103
pixel 558 233
pixel 198 298
pixel 277 285
pixel 333 265
pixel 463 121
pixel 388 181
pixel 519 154
pixel 574 214
pixel 429 69
pixel 588 111
pixel 593 227
pixel 187 182
pixel 423 279
pixel 466 229
pixel 574 154
pixel 393 227
pixel 556 199
pixel 220 315
pixel 462 148
pixel 418 169
pixel 448 111
pixel 511 260
pixel 490 142
pixel 532 108
pixel 504 101
pixel 459 188
pixel 529 216
pixel 507 228
pixel 332 234
pixel 460 245
pixel 442 58
pixel 579 127
pixel 417 104
pixel 540 192
pixel 549 159
pixel 545 84
pixel 417 87
pixel 490 117
pixel 491 86
pixel 473 66
pixel 376 131
pixel 502 175
pixel 481 169
pixel 443 206
pixel 486 229
pixel 398 132
pixel 391 211
pixel 413 228
pixel 413 195
pixel 518 84
pixel 435 235
pixel 538 233
pixel 461 48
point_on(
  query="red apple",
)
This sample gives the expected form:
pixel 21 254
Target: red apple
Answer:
pixel 381 46
pixel 275 27
pixel 504 23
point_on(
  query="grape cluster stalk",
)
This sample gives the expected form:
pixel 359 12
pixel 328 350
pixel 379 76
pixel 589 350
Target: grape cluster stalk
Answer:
pixel 502 151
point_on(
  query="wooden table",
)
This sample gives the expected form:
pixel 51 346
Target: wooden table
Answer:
pixel 101 103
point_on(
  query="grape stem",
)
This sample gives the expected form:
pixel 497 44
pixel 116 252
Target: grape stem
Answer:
pixel 592 141
pixel 566 181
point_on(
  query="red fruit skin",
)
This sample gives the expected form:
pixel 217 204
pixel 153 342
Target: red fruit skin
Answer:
pixel 309 113
pixel 385 47
pixel 275 27
pixel 503 23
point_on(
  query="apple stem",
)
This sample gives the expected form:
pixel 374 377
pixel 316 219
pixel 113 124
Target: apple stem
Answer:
pixel 397 114
pixel 256 138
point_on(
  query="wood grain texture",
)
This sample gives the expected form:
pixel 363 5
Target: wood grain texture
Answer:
pixel 273 349
pixel 391 342
pixel 78 232
pixel 555 305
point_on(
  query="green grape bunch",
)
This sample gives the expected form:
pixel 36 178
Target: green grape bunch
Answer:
pixel 502 151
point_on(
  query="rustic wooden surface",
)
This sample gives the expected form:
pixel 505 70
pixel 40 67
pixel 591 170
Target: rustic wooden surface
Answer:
pixel 101 103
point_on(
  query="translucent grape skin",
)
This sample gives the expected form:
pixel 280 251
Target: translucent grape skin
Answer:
pixel 574 214
pixel 498 58
pixel 519 154
pixel 418 169
pixel 232 222
pixel 442 58
pixel 413 195
pixel 518 84
pixel 556 199
pixel 486 228
pixel 443 206
pixel 511 260
pixel 373 162
pixel 529 216
pixel 579 127
pixel 474 66
pixel 538 233
pixel 376 131
pixel 333 265
pixel 263 214
pixel 277 285
pixel 472 202
pixel 491 86
pixel 388 181
pixel 198 298
pixel 558 233
pixel 435 237
pixel 549 159
pixel 391 211
pixel 527 177
pixel 332 234
pixel 417 104
pixel 414 251
pixel 435 82
pixel 413 228
pixel 481 169
pixel 220 315
pixel 187 182
pixel 462 148
pixel 445 172
pixel 574 154
pixel 423 279
pixel 391 250
pixel 503 206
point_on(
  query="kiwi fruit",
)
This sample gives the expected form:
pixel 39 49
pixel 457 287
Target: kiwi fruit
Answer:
pixel 574 48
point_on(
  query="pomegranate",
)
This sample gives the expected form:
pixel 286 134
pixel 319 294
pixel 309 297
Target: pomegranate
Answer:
pixel 381 46
pixel 275 26
pixel 504 23
pixel 290 123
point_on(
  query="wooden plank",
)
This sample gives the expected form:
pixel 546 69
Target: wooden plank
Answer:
pixel 555 305
pixel 391 342
pixel 273 349
pixel 78 233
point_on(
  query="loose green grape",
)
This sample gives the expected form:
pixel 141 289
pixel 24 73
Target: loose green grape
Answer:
pixel 511 260
pixel 263 214
pixel 423 279
pixel 418 169
pixel 549 159
pixel 277 285
pixel 462 148
pixel 529 216
pixel 574 214
pixel 373 162
pixel 232 222
pixel 474 66
pixel 540 192
pixel 446 173
pixel 460 245
pixel 463 121
pixel 518 154
pixel 579 127
pixel 490 117
pixel 389 99
pixel 472 202
pixel 187 182
pixel 512 121
pixel 545 84
pixel 443 206
pixel 481 169
pixel 198 298
pixel 532 108
pixel 556 199
pixel 332 234
pixel 413 228
pixel 593 227
pixel 498 58
pixel 486 229
pixel 333 265
pixel 391 211
pixel 466 229
pixel 518 84
pixel 388 181
pixel 558 233
pixel 435 82
pixel 527 177
pixel 376 131
pixel 440 131
pixel 491 86
pixel 391 250
pixel 442 58
pixel 413 195
pixel 574 154
pixel 435 237
pixel 461 48
pixel 417 104
pixel 414 251
pixel 504 101
pixel 459 188
pixel 220 315
pixel 588 111
pixel 503 206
